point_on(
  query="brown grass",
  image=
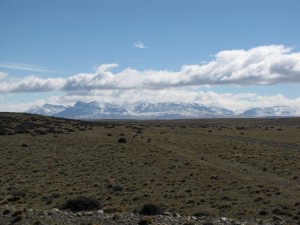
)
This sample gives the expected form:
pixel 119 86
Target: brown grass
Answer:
pixel 185 166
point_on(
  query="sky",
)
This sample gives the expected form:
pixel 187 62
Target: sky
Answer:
pixel 236 54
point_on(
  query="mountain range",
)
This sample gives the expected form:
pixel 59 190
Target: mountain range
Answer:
pixel 163 110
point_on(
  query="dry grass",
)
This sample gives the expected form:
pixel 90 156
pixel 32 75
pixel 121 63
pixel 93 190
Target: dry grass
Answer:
pixel 241 168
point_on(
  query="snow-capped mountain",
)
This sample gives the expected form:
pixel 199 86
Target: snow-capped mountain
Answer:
pixel 168 107
pixel 81 110
pixel 163 110
pixel 181 110
pixel 111 109
pixel 92 110
pixel 221 111
pixel 275 111
pixel 47 109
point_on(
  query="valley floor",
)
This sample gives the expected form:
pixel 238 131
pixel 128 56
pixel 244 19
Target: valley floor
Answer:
pixel 236 168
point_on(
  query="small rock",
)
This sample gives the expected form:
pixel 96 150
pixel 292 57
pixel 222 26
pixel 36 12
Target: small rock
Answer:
pixel 100 211
pixel 55 210
pixel 177 215
pixel 224 219
pixel 88 213
pixel 167 214
pixel 277 218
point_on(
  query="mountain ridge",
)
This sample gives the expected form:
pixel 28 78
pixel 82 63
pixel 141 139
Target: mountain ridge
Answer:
pixel 161 110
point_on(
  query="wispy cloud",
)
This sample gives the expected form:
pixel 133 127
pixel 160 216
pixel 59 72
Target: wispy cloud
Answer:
pixel 24 67
pixel 259 66
pixel 139 44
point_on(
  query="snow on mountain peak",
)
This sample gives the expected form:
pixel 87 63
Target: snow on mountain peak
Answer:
pixel 162 110
pixel 280 111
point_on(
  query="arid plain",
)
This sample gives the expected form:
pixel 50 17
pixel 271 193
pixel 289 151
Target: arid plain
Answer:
pixel 237 168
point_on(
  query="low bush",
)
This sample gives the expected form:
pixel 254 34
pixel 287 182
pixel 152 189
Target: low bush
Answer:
pixel 81 203
pixel 201 214
pixel 17 213
pixel 6 211
pixel 16 219
pixel 190 223
pixel 122 140
pixel 208 223
pixel 117 188
pixel 151 209
pixel 19 193
pixel 146 221
pixel 263 212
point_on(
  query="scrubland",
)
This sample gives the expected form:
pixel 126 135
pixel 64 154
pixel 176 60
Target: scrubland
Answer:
pixel 235 168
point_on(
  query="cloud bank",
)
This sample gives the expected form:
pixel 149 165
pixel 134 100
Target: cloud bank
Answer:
pixel 259 66
pixel 264 65
pixel 3 75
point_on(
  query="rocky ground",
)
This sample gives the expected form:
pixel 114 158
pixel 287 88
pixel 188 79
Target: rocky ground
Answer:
pixel 11 215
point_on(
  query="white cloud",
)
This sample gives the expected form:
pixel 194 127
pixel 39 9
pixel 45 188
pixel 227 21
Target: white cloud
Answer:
pixel 32 84
pixel 265 65
pixel 139 44
pixel 3 75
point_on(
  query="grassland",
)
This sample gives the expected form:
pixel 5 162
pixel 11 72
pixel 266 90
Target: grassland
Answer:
pixel 238 168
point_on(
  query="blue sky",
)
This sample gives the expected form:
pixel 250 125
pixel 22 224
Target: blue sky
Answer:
pixel 45 44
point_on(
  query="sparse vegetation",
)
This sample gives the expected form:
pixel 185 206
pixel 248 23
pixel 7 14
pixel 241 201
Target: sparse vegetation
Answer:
pixel 176 164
